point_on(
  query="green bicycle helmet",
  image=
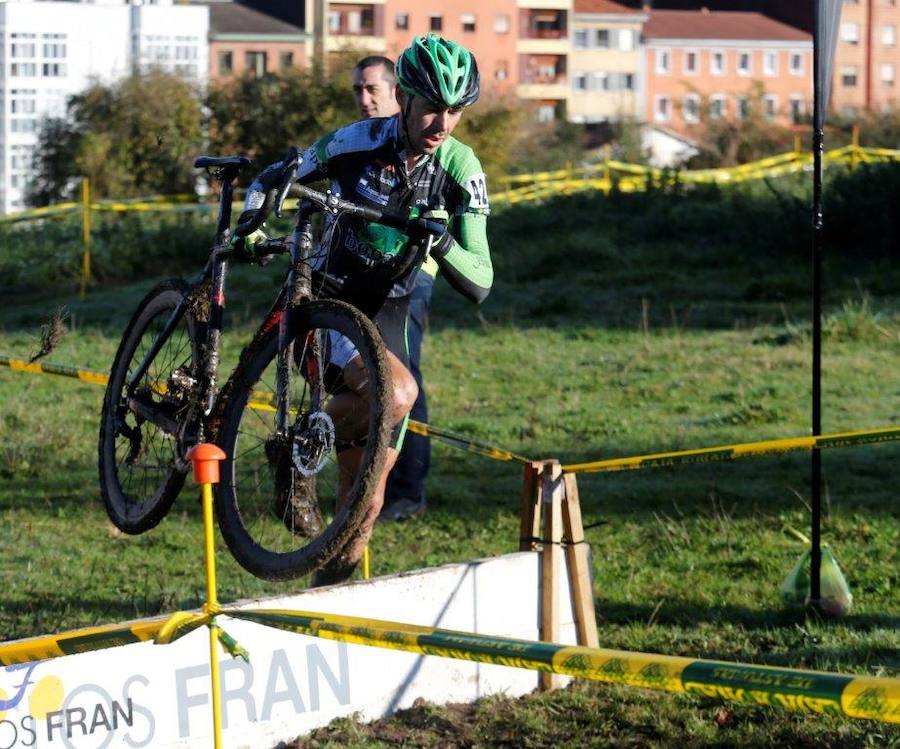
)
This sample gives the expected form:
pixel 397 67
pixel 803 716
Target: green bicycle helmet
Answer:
pixel 441 71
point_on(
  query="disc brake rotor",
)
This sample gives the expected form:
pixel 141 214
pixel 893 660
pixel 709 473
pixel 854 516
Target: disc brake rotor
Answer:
pixel 312 443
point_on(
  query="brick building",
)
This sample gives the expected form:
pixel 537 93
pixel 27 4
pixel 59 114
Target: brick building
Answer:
pixel 714 64
pixel 490 32
pixel 867 57
pixel 242 38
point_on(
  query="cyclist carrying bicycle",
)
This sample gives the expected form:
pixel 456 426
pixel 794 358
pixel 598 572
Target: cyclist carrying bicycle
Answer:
pixel 408 164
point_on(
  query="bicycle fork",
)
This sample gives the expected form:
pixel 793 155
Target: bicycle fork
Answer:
pixel 299 291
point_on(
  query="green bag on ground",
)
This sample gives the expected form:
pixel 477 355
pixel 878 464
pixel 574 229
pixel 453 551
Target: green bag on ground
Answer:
pixel 836 596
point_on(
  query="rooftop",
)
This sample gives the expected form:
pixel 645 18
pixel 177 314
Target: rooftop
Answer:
pixel 234 18
pixel 604 7
pixel 719 24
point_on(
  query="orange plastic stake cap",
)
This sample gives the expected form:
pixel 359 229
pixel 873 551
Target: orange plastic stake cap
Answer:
pixel 205 458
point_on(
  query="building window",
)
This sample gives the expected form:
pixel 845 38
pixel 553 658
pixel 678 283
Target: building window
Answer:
pixel 770 106
pixel 601 81
pixel 334 22
pixel 798 108
pixel 579 81
pixel 887 73
pixel 53 69
pixel 23 45
pixel 546 72
pixel 468 22
pixel 770 63
pixel 626 40
pixel 581 38
pixel 626 81
pixel 690 108
pixel 662 109
pixel 23 70
pixel 255 62
pixel 436 23
pixel 286 60
pixel 889 35
pixel 849 75
pixel 691 61
pixel 743 107
pixel 717 104
pixel 501 23
pixel 23 101
pixel 401 22
pixel 501 70
pixel 717 62
pixel 745 63
pixel 546 113
pixel 850 32
pixel 603 38
pixel 796 63
pixel 226 61
pixel 354 22
pixel 54 46
pixel 20 157
pixel 663 61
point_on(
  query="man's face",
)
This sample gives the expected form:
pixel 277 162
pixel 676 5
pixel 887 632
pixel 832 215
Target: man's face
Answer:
pixel 373 94
pixel 428 125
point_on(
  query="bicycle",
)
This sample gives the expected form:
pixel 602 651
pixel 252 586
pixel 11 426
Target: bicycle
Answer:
pixel 283 412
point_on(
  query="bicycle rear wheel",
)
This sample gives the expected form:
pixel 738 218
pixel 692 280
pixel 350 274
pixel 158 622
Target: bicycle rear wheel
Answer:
pixel 144 433
pixel 271 478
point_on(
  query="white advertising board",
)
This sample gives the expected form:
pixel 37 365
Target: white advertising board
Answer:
pixel 146 695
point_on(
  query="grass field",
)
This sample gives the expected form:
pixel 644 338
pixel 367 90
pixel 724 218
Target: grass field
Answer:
pixel 608 334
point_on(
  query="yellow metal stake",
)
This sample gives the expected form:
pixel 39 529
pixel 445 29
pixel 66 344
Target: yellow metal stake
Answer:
pixel 85 233
pixel 205 458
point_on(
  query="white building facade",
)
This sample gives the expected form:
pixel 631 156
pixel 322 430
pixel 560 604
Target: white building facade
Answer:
pixel 51 50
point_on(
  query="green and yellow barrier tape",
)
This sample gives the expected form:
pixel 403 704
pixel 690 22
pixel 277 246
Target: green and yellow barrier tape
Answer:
pixel 535 186
pixel 80 641
pixel 263 401
pixel 62 370
pixel 34 214
pixel 867 697
pixel 732 452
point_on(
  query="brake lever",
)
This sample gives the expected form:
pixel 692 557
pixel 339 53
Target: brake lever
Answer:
pixel 283 191
pixel 290 174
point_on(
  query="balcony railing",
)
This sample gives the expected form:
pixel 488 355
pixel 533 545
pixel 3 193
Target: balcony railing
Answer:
pixel 544 80
pixel 544 34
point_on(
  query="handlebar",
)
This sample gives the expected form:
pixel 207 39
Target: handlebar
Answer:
pixel 330 202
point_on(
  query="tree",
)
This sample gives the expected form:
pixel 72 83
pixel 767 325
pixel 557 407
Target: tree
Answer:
pixel 262 116
pixel 728 142
pixel 136 136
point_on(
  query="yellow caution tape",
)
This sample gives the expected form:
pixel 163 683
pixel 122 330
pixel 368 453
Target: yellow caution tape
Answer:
pixel 867 697
pixel 743 450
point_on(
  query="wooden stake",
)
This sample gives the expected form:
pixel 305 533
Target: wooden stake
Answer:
pixel 552 490
pixel 530 527
pixel 578 564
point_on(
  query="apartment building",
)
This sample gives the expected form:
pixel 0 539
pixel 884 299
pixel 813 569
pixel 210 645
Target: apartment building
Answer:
pixel 51 50
pixel 544 49
pixel 710 64
pixel 358 25
pixel 244 39
pixel 867 58
pixel 607 78
pixel 489 29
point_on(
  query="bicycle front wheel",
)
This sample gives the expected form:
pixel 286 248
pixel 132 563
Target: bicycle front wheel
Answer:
pixel 144 429
pixel 291 496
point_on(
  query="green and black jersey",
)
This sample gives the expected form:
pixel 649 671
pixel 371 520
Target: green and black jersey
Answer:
pixel 365 162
